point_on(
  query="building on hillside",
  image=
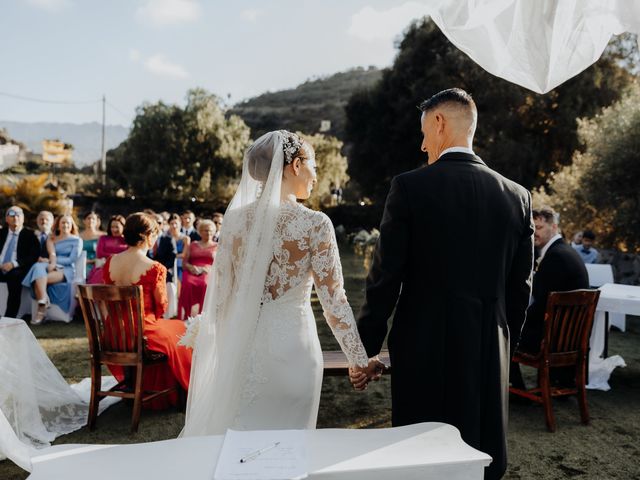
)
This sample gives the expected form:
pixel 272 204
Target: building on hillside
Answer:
pixel 9 155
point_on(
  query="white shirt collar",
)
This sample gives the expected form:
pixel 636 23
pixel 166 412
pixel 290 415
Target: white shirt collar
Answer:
pixel 457 150
pixel 549 243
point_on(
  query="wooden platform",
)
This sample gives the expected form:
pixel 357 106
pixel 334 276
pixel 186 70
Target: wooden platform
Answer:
pixel 335 362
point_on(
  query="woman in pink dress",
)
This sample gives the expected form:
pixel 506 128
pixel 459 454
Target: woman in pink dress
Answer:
pixel 198 258
pixel 108 245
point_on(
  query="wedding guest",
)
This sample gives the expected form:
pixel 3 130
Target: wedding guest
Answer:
pixel 64 248
pixel 197 262
pixel 165 249
pixel 109 244
pixel 19 250
pixel 179 239
pixel 586 250
pixel 90 236
pixel 45 224
pixel 133 267
pixel 577 240
pixel 188 219
pixel 217 221
pixel 165 225
pixel 559 269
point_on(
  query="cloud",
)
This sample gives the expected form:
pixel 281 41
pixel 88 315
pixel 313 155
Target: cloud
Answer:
pixel 168 12
pixel 370 24
pixel 159 65
pixel 50 5
pixel 250 14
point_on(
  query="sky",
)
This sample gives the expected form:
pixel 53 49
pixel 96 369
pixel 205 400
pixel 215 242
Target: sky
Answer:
pixel 148 50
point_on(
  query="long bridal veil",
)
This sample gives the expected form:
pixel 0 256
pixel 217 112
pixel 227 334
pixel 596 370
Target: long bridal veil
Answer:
pixel 235 287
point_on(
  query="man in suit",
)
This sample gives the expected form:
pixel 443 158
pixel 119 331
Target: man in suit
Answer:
pixel 217 219
pixel 456 301
pixel 559 269
pixel 45 224
pixel 188 219
pixel 19 250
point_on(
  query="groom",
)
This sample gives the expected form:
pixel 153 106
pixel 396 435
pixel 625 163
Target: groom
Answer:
pixel 454 259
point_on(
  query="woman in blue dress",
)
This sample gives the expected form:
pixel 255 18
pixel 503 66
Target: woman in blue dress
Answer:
pixel 64 250
pixel 179 239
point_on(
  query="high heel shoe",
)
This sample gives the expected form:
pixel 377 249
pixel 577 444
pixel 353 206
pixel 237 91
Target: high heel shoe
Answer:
pixel 40 313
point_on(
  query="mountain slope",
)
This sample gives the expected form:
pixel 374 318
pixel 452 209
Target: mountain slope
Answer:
pixel 304 107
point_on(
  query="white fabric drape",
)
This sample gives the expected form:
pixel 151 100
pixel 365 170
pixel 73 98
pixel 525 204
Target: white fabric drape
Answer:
pixel 37 405
pixel 537 44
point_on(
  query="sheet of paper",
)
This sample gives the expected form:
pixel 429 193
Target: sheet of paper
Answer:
pixel 287 460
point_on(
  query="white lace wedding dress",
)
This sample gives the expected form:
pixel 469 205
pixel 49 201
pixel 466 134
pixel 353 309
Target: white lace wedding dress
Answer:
pixel 257 362
pixel 283 387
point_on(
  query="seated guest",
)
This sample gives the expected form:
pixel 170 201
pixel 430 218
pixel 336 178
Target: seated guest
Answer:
pixel 559 269
pixel 217 221
pixel 178 238
pixel 586 250
pixel 188 220
pixel 64 248
pixel 19 250
pixel 133 267
pixel 198 258
pixel 90 236
pixel 109 244
pixel 45 224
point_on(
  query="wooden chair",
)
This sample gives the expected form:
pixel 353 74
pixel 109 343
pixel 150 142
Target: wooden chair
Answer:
pixel 335 362
pixel 113 316
pixel 567 327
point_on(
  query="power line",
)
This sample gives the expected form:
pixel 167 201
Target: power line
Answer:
pixel 42 100
pixel 124 115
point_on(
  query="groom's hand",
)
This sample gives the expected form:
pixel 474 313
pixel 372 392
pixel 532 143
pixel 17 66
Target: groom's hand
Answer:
pixel 361 376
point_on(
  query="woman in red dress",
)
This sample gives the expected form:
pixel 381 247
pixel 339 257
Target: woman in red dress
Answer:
pixel 133 267
pixel 196 264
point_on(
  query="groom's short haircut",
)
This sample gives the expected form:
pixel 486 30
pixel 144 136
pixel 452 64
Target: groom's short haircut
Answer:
pixel 455 96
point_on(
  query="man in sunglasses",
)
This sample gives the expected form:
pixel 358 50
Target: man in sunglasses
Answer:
pixel 19 250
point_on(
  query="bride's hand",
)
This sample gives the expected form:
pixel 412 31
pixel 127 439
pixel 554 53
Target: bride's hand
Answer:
pixel 361 376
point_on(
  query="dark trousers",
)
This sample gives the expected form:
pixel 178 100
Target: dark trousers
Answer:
pixel 13 279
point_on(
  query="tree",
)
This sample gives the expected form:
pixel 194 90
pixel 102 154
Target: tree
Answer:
pixel 33 194
pixel 521 134
pixel 331 167
pixel 599 190
pixel 177 153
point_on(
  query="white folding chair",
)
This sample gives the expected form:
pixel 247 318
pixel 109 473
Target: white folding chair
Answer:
pixel 172 294
pixel 599 274
pixel 25 301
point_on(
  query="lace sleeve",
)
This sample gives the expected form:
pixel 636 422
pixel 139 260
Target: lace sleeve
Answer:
pixel 329 284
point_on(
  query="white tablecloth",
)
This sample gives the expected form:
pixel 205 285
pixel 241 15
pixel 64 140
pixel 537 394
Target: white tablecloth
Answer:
pixel 614 298
pixel 423 451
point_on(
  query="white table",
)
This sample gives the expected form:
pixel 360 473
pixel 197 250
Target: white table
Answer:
pixel 614 298
pixel 423 451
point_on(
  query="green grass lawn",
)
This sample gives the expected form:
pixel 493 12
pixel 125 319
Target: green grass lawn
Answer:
pixel 609 448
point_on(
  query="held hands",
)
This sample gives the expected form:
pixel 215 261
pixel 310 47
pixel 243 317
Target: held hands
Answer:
pixel 361 376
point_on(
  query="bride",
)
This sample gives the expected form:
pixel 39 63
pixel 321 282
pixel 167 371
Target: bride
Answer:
pixel 257 361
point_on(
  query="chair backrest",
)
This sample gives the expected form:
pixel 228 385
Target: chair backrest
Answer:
pixel 568 320
pixel 113 317
pixel 599 274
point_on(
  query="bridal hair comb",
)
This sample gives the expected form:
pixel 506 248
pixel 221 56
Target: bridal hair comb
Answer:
pixel 291 143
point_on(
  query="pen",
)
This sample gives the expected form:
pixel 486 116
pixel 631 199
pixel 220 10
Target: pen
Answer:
pixel 255 454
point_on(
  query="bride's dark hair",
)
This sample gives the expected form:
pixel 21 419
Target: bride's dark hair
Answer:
pixel 260 154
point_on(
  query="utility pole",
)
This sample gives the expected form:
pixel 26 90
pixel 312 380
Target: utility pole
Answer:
pixel 103 161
